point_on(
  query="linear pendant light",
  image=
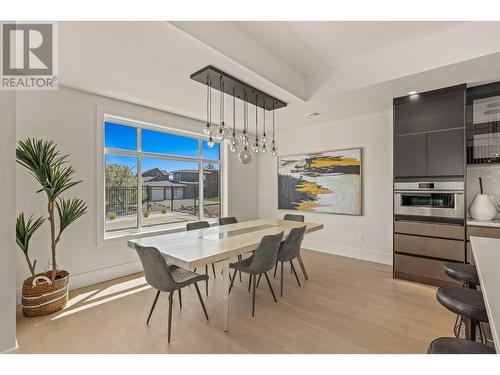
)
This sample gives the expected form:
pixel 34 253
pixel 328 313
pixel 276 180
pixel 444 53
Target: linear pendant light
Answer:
pixel 244 143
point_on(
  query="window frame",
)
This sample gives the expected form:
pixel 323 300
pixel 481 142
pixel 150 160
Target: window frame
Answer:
pixel 105 116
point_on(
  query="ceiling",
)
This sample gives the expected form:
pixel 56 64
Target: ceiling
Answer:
pixel 315 47
pixel 339 69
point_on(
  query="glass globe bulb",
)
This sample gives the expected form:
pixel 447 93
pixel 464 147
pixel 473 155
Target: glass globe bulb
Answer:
pixel 221 132
pixel 245 156
pixel 263 139
pixel 233 141
pixel 255 146
pixel 232 147
pixel 246 142
pixel 207 129
pixel 243 135
pixel 275 150
pixel 210 142
pixel 263 149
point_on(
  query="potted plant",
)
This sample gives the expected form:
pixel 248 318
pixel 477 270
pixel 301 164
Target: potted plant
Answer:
pixel 47 292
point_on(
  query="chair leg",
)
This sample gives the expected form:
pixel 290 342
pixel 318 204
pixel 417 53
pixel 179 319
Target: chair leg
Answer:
pixel 281 281
pixel 180 299
pixel 206 282
pixel 232 281
pixel 270 287
pixel 201 300
pixel 258 280
pixel 249 281
pixel 275 269
pixel 240 258
pixel 153 307
pixel 170 314
pixel 294 272
pixel 213 270
pixel 253 295
pixel 470 329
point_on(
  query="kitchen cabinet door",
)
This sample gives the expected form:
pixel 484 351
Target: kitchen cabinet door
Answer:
pixel 430 114
pixel 410 155
pixel 445 153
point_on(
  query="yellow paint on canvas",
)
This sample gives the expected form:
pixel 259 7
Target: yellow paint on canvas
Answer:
pixel 312 189
pixel 321 163
pixel 306 205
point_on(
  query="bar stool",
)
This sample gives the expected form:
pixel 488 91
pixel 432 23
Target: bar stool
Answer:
pixel 452 345
pixel 467 303
pixel 467 275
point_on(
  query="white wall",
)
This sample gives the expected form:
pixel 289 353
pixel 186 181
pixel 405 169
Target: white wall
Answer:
pixel 69 117
pixel 7 220
pixel 342 234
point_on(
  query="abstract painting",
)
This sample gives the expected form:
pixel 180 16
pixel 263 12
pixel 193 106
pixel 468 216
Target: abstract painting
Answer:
pixel 328 182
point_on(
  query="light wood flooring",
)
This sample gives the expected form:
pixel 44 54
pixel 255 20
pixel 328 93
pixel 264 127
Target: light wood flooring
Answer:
pixel 347 306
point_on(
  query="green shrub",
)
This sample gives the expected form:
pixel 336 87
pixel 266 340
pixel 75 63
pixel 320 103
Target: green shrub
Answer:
pixel 111 216
pixel 145 213
pixel 163 210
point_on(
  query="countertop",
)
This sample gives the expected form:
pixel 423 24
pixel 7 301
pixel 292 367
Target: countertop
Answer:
pixel 478 223
pixel 487 257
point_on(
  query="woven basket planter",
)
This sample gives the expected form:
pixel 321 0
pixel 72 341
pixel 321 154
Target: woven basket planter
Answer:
pixel 41 297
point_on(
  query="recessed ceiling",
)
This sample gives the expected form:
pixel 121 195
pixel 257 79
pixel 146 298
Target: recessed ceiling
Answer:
pixel 315 47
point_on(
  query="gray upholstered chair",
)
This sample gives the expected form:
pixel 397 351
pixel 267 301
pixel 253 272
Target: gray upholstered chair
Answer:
pixel 300 218
pixel 293 217
pixel 227 220
pixel 201 225
pixel 289 250
pixel 260 262
pixel 167 278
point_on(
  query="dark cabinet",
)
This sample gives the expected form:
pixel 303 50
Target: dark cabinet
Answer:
pixel 445 153
pixel 410 155
pixel 429 133
pixel 430 114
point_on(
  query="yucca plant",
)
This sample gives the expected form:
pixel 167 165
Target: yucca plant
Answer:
pixel 55 176
pixel 24 231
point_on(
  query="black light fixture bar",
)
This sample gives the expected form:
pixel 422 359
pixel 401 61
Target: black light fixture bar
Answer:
pixel 232 84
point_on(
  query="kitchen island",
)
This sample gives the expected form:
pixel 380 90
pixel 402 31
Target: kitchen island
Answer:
pixel 486 253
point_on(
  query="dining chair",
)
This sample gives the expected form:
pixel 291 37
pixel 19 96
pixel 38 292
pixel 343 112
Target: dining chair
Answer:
pixel 292 217
pixel 227 220
pixel 230 220
pixel 289 250
pixel 167 278
pixel 300 218
pixel 201 225
pixel 260 262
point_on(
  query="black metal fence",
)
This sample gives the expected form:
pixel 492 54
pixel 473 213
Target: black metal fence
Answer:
pixel 122 200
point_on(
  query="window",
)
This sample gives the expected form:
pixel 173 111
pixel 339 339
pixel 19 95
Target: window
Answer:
pixel 152 177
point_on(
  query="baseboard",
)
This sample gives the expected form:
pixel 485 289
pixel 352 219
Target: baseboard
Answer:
pixel 347 251
pixel 96 276
pixel 11 350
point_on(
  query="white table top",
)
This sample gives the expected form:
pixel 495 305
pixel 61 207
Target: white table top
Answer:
pixel 191 249
pixel 486 253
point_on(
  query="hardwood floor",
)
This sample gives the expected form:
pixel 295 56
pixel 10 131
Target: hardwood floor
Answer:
pixel 347 306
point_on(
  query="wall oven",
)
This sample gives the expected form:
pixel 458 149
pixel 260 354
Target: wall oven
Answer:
pixel 430 200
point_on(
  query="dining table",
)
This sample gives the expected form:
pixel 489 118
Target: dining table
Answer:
pixel 221 243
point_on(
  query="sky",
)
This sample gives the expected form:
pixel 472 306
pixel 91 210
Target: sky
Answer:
pixel 124 137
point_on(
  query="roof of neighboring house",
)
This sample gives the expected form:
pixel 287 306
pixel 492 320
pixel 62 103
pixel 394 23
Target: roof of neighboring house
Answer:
pixel 155 172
